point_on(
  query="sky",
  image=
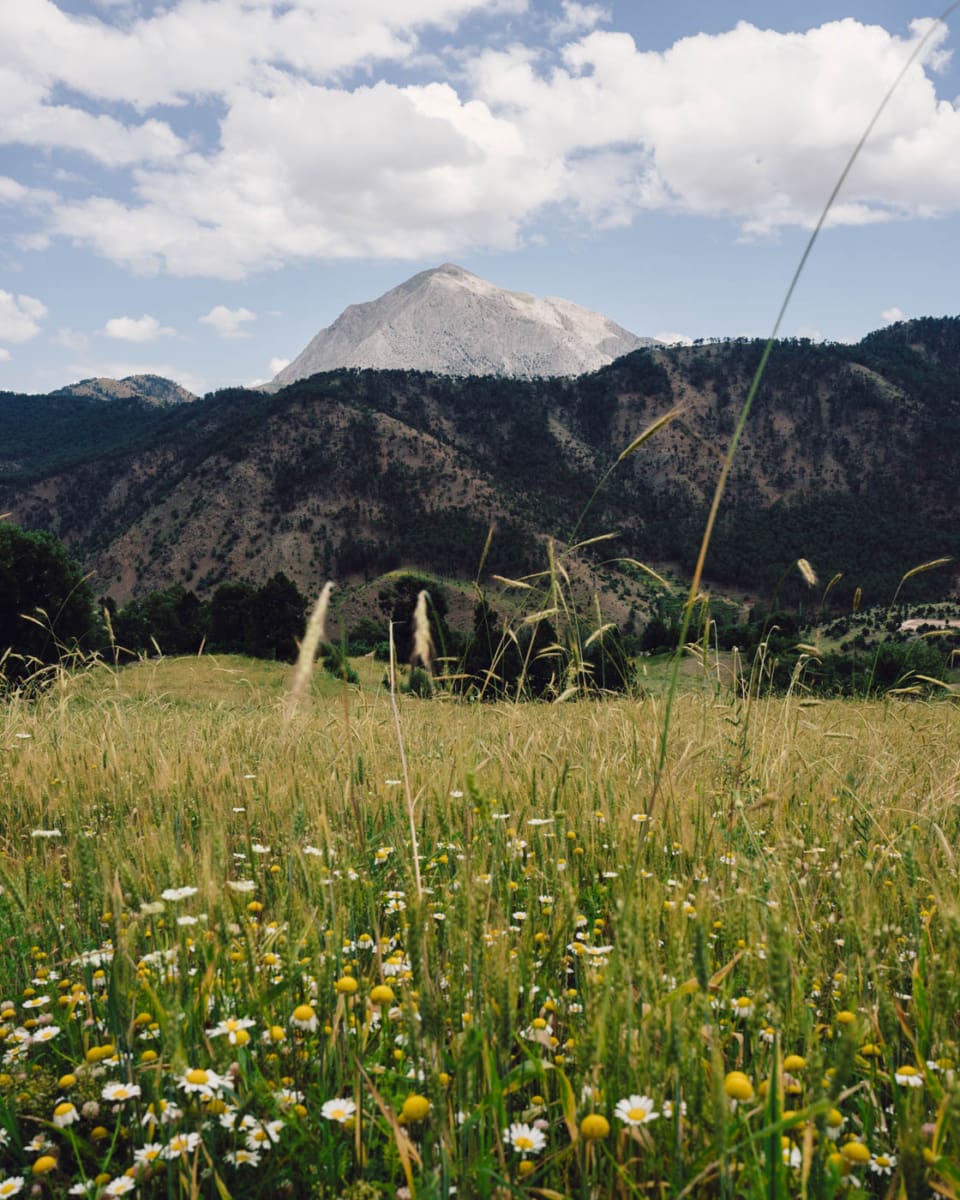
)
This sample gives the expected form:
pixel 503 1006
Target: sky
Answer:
pixel 194 188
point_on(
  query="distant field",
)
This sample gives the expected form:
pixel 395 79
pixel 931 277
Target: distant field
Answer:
pixel 245 959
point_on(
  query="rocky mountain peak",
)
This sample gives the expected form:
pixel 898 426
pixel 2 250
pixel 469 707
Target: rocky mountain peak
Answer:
pixel 451 322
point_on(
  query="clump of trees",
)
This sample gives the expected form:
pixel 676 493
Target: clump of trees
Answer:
pixel 263 622
pixel 542 659
pixel 46 606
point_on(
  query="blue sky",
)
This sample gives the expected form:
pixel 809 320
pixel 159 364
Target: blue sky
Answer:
pixel 196 187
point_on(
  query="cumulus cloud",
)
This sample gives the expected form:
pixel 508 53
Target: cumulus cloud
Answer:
pixel 400 172
pixel 751 124
pixel 4 354
pixel 890 316
pixel 276 365
pixel 310 161
pixel 136 329
pixel 228 322
pixel 674 339
pixel 20 317
pixel 196 48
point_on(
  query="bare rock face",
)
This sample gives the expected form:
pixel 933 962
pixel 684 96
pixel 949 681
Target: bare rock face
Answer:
pixel 451 322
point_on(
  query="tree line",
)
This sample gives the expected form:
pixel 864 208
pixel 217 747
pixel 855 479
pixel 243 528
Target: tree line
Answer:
pixel 48 613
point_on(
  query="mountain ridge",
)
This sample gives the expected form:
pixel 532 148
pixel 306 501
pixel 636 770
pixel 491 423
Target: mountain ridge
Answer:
pixel 348 474
pixel 151 389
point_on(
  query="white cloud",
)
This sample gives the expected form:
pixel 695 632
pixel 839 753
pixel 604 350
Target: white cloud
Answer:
pixel 33 241
pixel 136 329
pixel 751 125
pixel 401 172
pixel 890 316
pixel 104 138
pixel 20 317
pixel 11 192
pixel 578 18
pixel 228 321
pixel 71 339
pixel 4 355
pixel 197 48
pixel 674 339
pixel 276 365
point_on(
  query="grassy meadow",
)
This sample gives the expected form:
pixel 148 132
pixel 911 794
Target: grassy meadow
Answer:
pixel 249 958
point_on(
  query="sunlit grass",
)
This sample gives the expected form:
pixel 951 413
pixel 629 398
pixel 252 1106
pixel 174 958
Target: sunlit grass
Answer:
pixel 790 913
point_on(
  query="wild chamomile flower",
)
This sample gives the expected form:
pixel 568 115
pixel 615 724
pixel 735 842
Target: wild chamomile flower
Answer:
pixel 835 1122
pixel 200 1082
pixel 883 1164
pixel 792 1156
pixel 143 1156
pixel 304 1017
pixel 635 1110
pixel 525 1139
pixel 180 893
pixel 234 1029
pixel 162 1112
pixel 261 1135
pixel 180 1144
pixel 907 1076
pixel 63 1115
pixel 45 1034
pixel 338 1110
pixel 743 1007
pixel 738 1088
pixel 118 1092
pixel 243 1158
pixel 11 1186
pixel 119 1186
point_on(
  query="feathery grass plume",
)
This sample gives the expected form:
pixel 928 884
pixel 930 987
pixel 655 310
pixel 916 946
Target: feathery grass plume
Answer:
pixel 422 642
pixel 657 578
pixel 483 555
pixel 808 573
pixel 651 429
pixel 514 583
pixel 926 566
pixel 314 635
pixel 638 441
pixel 830 586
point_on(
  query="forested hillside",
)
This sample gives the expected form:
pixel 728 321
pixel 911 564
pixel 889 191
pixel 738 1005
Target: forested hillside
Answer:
pixel 847 461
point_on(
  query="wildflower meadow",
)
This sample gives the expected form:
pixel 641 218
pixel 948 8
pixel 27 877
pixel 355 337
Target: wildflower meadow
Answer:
pixel 390 948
